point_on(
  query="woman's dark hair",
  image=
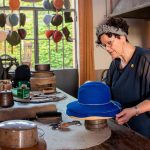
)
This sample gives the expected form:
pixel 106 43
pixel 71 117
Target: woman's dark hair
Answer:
pixel 117 23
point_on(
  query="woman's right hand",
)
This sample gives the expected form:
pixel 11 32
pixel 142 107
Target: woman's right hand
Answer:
pixel 125 115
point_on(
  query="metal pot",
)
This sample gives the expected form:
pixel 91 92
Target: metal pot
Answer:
pixel 18 134
pixel 42 67
pixel 6 98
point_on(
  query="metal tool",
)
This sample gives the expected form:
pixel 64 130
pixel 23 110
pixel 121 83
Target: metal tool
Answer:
pixel 63 125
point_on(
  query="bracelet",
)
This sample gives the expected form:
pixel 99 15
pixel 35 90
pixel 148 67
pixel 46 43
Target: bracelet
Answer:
pixel 137 110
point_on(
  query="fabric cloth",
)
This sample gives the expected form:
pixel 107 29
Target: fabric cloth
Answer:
pixel 131 85
pixel 86 46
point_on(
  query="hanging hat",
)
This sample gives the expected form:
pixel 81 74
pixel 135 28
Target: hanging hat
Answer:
pixel 22 19
pixel 49 33
pixel 47 5
pixel 57 20
pixel 53 7
pixel 32 1
pixel 67 4
pixel 94 99
pixel 14 4
pixel 3 35
pixel 47 19
pixel 58 4
pixel 20 134
pixel 13 38
pixel 2 19
pixel 66 33
pixel 12 19
pixel 7 20
pixel 57 36
pixel 22 32
pixel 68 17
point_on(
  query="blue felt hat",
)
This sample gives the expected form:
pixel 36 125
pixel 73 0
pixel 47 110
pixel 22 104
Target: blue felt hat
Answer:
pixel 94 99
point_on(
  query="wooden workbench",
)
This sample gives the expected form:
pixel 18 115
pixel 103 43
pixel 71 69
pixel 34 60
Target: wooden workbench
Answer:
pixel 122 138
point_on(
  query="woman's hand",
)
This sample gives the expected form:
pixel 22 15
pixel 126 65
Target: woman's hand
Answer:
pixel 125 115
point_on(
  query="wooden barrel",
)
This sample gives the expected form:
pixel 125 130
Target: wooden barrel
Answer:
pixel 41 80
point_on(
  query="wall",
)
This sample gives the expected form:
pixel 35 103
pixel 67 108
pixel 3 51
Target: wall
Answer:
pixel 67 80
pixel 102 59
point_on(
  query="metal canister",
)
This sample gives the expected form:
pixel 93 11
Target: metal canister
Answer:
pixel 6 98
pixel 95 125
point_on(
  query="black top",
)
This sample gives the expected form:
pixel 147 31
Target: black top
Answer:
pixel 131 85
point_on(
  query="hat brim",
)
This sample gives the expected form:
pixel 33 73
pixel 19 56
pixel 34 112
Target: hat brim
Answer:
pixel 41 145
pixel 90 118
pixel 81 111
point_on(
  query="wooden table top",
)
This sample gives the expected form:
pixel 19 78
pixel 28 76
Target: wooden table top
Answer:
pixel 122 138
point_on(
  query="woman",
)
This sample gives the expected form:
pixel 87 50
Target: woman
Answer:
pixel 128 75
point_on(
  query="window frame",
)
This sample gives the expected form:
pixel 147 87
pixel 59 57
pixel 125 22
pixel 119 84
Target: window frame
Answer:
pixel 35 36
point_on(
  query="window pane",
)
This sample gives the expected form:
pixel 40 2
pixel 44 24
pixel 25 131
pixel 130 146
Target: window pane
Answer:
pixel 29 25
pixel 1 3
pixel 56 55
pixel 26 4
pixel 41 25
pixel 44 51
pixel 13 51
pixel 38 4
pixel 68 55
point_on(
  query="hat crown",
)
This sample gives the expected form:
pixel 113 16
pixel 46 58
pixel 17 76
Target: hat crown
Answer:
pixel 94 93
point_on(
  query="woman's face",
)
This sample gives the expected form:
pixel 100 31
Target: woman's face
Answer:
pixel 113 45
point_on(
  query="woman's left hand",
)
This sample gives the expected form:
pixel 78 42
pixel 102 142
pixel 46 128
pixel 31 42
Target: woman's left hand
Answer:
pixel 125 115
